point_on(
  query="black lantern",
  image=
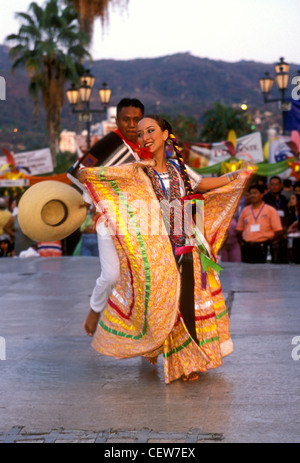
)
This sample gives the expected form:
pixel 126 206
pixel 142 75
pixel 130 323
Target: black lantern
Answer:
pixel 282 79
pixel 79 99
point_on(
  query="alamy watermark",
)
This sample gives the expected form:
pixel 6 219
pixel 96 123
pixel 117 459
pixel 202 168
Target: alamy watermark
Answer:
pixel 296 350
pixel 2 348
pixel 295 92
pixel 2 88
pixel 152 217
pixel 296 89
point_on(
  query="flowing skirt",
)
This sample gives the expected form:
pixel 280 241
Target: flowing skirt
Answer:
pixel 143 316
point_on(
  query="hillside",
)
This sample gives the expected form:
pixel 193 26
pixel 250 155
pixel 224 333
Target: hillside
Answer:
pixel 175 84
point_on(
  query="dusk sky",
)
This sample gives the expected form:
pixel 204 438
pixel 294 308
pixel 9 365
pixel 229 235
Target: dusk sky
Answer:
pixel 256 30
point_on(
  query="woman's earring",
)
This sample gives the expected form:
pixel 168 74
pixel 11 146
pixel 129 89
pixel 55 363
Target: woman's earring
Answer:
pixel 169 142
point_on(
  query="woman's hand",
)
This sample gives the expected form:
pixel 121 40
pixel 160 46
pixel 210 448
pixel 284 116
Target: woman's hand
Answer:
pixel 293 228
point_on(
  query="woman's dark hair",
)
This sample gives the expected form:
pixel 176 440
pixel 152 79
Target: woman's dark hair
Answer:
pixel 297 199
pixel 165 125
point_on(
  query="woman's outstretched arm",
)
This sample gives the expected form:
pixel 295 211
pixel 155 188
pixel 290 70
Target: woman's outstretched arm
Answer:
pixel 210 183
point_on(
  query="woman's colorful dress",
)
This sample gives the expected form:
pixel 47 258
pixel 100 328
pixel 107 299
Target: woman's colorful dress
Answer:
pixel 142 317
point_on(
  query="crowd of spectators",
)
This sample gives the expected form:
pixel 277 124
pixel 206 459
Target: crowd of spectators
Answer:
pixel 266 226
pixel 14 243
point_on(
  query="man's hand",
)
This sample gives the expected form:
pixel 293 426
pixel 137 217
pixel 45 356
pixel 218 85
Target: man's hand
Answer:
pixel 81 175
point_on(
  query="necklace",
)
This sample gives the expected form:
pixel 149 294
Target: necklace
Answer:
pixel 164 178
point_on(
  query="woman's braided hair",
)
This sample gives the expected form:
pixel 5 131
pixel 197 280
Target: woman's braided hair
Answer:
pixel 165 125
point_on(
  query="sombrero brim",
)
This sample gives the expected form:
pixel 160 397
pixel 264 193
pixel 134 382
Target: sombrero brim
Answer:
pixel 50 211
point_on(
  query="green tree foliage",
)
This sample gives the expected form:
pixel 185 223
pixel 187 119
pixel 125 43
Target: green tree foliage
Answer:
pixel 65 159
pixel 218 121
pixel 185 128
pixel 51 47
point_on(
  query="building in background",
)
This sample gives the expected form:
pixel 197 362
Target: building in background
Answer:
pixel 72 142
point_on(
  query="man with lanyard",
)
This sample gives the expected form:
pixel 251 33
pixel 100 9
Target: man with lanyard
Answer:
pixel 258 225
pixel 274 198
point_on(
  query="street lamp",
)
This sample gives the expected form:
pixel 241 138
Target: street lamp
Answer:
pixel 82 95
pixel 282 80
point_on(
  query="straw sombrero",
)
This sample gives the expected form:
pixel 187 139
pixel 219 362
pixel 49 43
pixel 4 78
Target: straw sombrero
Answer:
pixel 50 211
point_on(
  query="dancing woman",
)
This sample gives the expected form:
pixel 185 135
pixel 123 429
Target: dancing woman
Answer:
pixel 165 297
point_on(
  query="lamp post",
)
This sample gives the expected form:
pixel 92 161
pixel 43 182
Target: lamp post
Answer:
pixel 282 80
pixel 82 95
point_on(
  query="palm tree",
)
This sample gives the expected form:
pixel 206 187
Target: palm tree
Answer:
pixel 90 9
pixel 219 120
pixel 51 47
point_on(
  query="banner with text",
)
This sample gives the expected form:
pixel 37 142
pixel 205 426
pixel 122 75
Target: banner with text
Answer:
pixel 249 148
pixel 33 162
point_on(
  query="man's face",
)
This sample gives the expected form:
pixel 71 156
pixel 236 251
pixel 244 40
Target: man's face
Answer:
pixel 275 185
pixel 255 196
pixel 127 121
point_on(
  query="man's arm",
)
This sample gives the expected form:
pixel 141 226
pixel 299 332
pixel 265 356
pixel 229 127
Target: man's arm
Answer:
pixel 277 234
pixel 276 224
pixel 9 227
pixel 239 234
